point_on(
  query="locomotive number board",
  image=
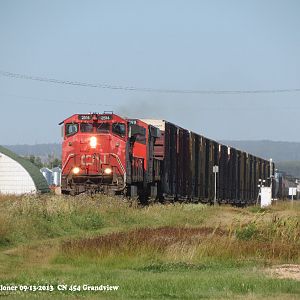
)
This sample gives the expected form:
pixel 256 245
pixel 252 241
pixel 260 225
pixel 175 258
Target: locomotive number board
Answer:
pixel 90 117
pixel 84 117
pixel 105 117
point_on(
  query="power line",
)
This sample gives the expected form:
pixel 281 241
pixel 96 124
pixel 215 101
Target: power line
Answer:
pixel 58 100
pixel 142 89
pixel 116 106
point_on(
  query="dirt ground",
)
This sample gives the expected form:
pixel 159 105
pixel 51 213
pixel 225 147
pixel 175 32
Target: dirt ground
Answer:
pixel 285 271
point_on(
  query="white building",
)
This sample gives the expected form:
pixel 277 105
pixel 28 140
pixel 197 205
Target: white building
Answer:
pixel 53 176
pixel 56 176
pixel 19 176
pixel 48 174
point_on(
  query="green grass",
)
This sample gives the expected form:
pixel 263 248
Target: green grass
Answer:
pixel 176 251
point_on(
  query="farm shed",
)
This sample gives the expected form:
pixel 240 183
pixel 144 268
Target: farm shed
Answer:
pixel 19 176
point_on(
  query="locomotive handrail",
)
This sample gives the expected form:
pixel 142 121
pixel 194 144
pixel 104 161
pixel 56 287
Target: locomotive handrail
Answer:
pixel 118 159
pixel 69 157
pixel 120 163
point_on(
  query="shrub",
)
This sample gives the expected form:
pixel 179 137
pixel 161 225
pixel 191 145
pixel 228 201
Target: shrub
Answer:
pixel 247 233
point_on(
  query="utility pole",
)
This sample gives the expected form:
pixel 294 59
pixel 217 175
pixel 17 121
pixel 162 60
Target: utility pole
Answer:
pixel 215 170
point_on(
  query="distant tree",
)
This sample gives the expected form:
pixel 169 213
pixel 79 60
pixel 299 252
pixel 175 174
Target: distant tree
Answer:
pixel 53 162
pixel 35 160
pixel 56 162
pixel 38 162
pixel 32 158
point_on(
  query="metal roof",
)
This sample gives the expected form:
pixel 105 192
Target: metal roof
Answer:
pixel 37 177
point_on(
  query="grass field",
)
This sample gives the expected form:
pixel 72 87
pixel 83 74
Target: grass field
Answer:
pixel 175 251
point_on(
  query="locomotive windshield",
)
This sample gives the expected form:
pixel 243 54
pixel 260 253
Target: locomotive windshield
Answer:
pixel 71 129
pixel 86 127
pixel 95 127
pixel 119 129
pixel 102 127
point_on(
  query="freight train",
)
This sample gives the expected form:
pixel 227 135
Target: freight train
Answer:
pixel 155 159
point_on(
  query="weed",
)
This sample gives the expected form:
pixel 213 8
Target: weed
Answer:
pixel 246 233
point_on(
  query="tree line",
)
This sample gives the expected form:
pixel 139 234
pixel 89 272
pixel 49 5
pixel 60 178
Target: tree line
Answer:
pixel 51 161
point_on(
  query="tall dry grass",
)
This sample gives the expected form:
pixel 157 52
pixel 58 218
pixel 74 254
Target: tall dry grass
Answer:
pixel 275 241
pixel 157 240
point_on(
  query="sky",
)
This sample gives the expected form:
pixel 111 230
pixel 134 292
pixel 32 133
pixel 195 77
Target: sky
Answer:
pixel 174 45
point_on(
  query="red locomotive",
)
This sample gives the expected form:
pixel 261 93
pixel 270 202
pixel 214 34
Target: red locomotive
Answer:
pixel 155 158
pixel 107 153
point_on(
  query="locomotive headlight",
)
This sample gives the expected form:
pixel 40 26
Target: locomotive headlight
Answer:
pixel 108 171
pixel 76 170
pixel 93 142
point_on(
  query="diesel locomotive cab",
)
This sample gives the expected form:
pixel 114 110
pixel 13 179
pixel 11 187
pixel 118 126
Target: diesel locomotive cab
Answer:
pixel 94 153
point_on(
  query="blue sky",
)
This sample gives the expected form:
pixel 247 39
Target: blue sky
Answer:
pixel 198 45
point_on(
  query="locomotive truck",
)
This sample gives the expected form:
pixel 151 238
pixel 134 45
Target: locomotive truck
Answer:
pixel 154 159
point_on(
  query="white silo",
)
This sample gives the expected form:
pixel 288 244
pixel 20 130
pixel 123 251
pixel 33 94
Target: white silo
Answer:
pixel 56 176
pixel 48 174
